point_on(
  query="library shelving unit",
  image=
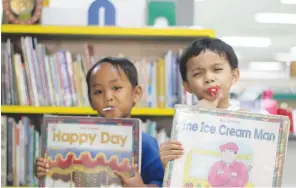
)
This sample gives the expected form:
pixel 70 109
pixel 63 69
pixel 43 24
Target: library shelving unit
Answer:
pixel 107 41
pixel 134 43
pixel 80 110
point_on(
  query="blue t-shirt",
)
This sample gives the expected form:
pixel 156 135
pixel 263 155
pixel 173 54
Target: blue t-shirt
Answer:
pixel 152 171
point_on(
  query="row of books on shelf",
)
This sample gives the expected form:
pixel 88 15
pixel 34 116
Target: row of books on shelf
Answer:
pixel 21 144
pixel 31 75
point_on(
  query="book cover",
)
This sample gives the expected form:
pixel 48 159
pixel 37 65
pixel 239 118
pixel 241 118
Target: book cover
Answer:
pixel 85 151
pixel 227 149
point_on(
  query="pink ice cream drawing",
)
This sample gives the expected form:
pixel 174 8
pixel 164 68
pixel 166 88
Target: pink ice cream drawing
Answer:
pixel 228 172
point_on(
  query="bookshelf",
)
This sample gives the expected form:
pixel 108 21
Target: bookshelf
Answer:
pixel 80 110
pixel 105 31
pixel 37 61
pixel 92 42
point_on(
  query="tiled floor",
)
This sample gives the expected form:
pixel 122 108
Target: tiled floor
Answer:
pixel 289 176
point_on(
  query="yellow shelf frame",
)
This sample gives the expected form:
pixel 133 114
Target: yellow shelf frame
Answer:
pixel 105 31
pixel 80 110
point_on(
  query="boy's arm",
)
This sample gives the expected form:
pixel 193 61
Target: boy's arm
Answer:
pixel 152 171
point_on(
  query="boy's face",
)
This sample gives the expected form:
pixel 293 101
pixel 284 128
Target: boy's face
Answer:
pixel 209 69
pixel 110 87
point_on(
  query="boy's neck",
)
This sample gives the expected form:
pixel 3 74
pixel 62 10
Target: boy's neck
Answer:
pixel 224 104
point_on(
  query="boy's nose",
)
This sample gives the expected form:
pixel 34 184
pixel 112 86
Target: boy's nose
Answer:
pixel 109 99
pixel 209 79
pixel 108 96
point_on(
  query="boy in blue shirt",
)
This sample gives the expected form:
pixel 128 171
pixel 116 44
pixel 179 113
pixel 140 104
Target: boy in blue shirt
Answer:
pixel 209 67
pixel 113 91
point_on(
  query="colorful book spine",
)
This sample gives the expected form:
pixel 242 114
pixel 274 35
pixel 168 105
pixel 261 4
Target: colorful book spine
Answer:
pixel 36 78
pixel 3 150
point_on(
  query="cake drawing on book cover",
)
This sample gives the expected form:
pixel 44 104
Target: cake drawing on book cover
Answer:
pixel 223 148
pixel 85 151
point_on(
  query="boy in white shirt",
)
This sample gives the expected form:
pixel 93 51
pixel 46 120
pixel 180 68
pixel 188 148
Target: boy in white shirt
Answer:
pixel 209 67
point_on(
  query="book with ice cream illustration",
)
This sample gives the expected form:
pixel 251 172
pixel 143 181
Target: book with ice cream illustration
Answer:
pixel 85 151
pixel 227 149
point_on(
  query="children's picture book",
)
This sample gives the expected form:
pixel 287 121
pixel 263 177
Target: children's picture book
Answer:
pixel 227 149
pixel 86 151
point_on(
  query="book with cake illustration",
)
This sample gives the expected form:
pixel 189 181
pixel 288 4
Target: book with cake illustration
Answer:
pixel 86 151
pixel 224 148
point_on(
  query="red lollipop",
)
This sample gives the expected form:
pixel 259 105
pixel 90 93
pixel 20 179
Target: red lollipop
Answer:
pixel 213 91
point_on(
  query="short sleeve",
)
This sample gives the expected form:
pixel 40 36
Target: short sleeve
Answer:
pixel 152 171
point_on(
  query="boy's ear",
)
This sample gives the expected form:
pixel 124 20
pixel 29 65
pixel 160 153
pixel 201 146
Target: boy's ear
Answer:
pixel 137 94
pixel 186 86
pixel 235 76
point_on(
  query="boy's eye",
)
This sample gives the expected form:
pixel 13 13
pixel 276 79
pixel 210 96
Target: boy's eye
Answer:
pixel 97 92
pixel 196 74
pixel 217 70
pixel 116 88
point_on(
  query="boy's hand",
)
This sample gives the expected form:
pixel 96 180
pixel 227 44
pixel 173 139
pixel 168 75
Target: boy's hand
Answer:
pixel 170 150
pixel 42 167
pixel 210 104
pixel 135 181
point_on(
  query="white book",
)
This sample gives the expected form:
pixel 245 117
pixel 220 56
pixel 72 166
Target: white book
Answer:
pixel 223 148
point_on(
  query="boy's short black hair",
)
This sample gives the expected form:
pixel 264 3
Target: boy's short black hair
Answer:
pixel 126 65
pixel 206 43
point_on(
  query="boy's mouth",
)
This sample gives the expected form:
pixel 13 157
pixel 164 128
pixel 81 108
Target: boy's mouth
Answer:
pixel 213 91
pixel 109 108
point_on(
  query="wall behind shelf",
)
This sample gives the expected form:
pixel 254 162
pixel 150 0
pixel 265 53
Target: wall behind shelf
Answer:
pixel 133 49
pixel 183 18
